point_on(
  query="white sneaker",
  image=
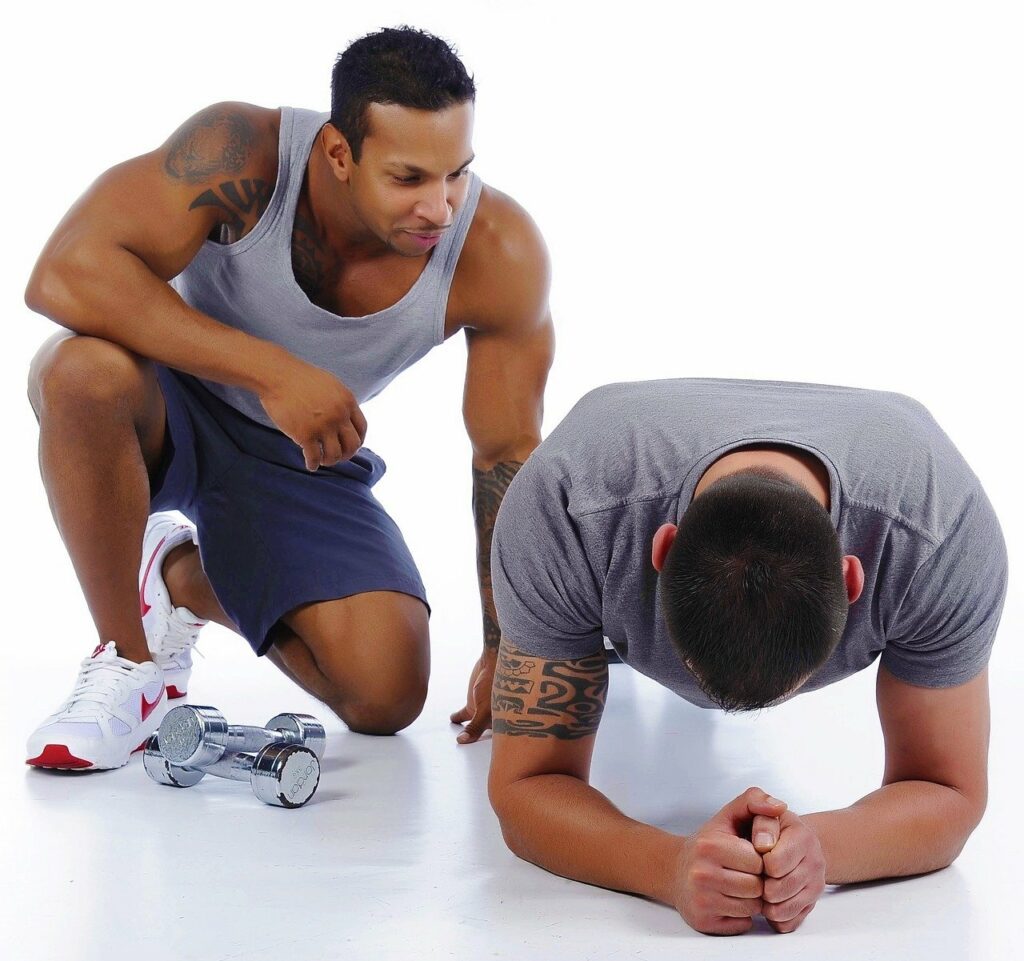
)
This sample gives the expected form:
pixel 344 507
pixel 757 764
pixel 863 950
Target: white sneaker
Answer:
pixel 171 632
pixel 115 706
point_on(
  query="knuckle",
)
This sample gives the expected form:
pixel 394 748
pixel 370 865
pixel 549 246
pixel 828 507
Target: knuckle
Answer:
pixel 703 846
pixel 700 876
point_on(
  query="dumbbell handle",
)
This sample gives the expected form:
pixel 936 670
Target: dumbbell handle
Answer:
pixel 248 739
pixel 235 767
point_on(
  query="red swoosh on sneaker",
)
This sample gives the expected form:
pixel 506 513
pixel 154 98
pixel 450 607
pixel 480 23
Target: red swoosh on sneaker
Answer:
pixel 149 706
pixel 143 606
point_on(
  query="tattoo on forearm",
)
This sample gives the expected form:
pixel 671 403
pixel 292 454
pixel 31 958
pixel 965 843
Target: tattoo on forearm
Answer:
pixel 217 141
pixel 567 705
pixel 488 490
pixel 243 197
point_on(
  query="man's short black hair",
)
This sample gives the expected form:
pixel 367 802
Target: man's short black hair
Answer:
pixel 752 589
pixel 399 65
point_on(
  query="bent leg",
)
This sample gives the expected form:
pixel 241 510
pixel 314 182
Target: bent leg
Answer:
pixel 366 656
pixel 102 426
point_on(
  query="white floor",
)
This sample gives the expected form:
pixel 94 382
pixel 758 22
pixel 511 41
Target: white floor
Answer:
pixel 803 191
pixel 398 855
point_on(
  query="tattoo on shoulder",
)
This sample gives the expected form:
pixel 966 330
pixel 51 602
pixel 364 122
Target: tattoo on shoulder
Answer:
pixel 216 141
pixel 236 198
pixel 563 699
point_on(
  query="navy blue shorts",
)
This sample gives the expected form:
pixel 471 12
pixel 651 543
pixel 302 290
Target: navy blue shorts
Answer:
pixel 273 536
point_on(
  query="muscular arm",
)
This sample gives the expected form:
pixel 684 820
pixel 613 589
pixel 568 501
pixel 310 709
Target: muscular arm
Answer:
pixel 504 280
pixel 510 348
pixel 546 716
pixel 933 792
pixel 104 271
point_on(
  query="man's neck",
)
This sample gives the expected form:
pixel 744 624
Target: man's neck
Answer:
pixel 333 215
pixel 798 465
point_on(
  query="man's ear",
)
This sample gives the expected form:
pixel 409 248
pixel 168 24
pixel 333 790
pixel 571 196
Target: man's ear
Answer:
pixel 664 538
pixel 337 151
pixel 853 574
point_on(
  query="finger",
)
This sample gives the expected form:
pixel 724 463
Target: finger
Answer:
pixel 481 722
pixel 785 856
pixel 777 890
pixel 359 423
pixel 741 810
pixel 463 715
pixel 331 452
pixel 740 884
pixel 764 833
pixel 727 926
pixel 350 441
pixel 788 910
pixel 311 453
pixel 785 927
pixel 737 854
pixel 737 907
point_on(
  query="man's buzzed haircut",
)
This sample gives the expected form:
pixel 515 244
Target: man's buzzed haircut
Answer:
pixel 752 589
pixel 399 65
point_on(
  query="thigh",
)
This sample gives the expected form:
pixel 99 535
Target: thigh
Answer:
pixel 373 648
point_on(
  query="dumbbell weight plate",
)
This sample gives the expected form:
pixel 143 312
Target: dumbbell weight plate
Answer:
pixel 163 771
pixel 182 735
pixel 285 775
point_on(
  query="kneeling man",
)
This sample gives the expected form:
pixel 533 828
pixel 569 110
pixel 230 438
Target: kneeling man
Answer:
pixel 741 542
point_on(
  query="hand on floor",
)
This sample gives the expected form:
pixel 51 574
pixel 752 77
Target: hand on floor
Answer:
pixel 476 715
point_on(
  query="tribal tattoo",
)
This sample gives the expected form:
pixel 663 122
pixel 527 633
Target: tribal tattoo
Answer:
pixel 488 490
pixel 313 263
pixel 216 141
pixel 534 697
pixel 249 197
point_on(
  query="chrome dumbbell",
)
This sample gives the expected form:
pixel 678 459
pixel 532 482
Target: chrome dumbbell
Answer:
pixel 193 736
pixel 286 775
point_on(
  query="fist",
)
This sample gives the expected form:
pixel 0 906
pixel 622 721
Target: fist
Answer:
pixel 718 886
pixel 794 875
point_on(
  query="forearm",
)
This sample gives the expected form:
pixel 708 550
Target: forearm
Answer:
pixel 564 825
pixel 489 486
pixel 116 297
pixel 907 827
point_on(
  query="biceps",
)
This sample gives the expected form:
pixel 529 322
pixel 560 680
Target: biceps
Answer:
pixel 503 403
pixel 936 734
pixel 545 714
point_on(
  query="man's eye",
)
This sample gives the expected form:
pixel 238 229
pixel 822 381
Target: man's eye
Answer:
pixel 406 180
pixel 462 173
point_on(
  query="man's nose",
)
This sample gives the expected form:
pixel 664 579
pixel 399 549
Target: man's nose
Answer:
pixel 433 204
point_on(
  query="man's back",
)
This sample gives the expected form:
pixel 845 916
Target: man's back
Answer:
pixel 627 459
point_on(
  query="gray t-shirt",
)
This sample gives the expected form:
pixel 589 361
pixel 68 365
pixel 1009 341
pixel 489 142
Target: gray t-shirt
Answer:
pixel 571 559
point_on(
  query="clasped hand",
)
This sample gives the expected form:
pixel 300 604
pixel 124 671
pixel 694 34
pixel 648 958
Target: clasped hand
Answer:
pixel 723 879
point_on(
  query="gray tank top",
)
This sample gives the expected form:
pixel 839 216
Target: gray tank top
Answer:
pixel 250 285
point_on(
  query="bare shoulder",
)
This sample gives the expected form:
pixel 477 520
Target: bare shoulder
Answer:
pixel 504 270
pixel 223 141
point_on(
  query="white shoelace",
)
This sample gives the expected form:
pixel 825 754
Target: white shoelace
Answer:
pixel 180 637
pixel 102 680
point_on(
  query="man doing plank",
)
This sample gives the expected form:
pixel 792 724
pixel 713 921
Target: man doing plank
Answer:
pixel 741 542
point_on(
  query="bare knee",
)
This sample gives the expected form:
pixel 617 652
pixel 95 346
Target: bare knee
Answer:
pixel 74 372
pixel 381 715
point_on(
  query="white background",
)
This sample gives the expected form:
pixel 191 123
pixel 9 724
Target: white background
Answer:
pixel 827 192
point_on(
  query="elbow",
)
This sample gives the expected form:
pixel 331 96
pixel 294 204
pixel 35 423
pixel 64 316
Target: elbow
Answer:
pixel 49 291
pixel 36 293
pixel 970 818
pixel 498 794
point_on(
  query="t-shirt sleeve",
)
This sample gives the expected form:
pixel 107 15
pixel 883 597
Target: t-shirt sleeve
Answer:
pixel 546 596
pixel 943 633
